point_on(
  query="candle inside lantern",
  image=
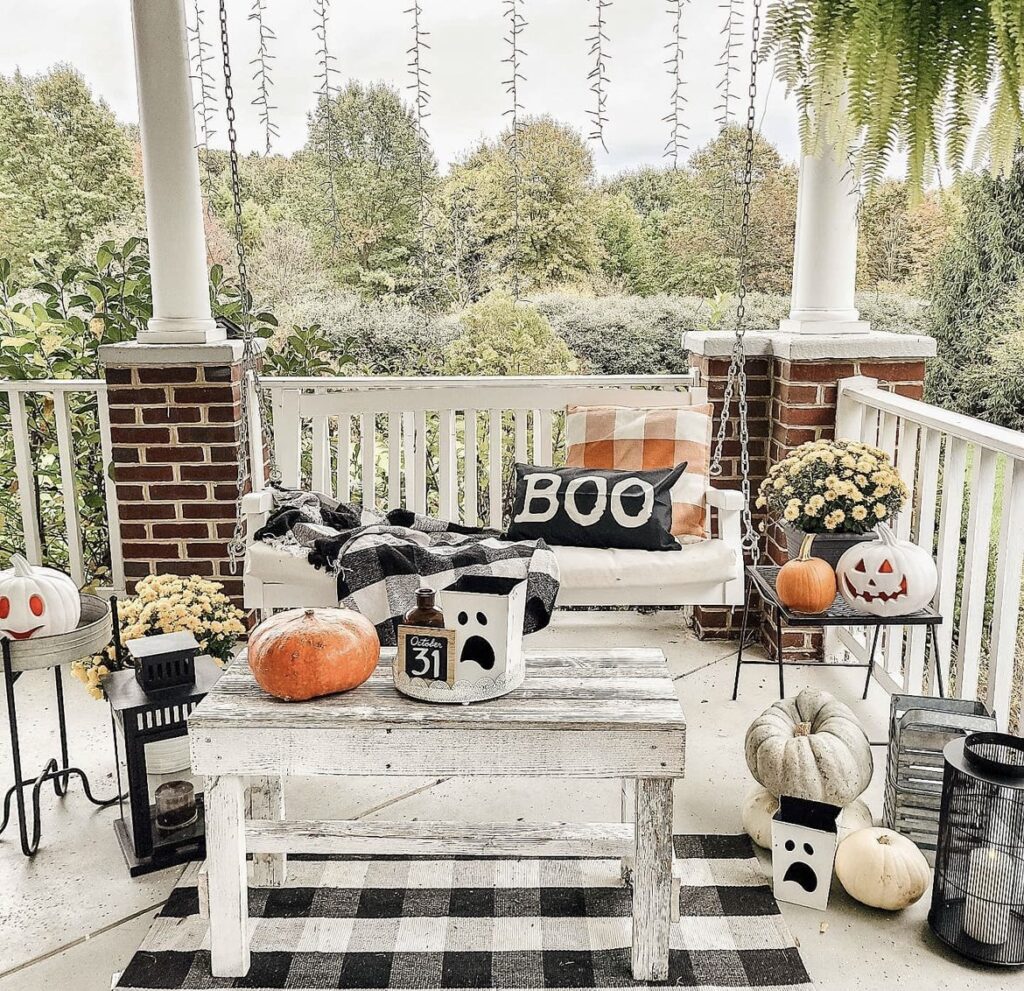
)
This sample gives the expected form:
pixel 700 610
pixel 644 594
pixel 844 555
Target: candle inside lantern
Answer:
pixel 175 806
pixel 990 874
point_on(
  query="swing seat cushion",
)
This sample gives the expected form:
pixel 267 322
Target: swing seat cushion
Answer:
pixel 587 575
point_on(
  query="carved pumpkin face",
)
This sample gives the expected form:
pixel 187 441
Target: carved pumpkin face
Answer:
pixel 887 577
pixel 36 602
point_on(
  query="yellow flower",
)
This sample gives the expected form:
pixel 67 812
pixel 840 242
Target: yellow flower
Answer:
pixel 791 513
pixel 816 501
pixel 880 510
pixel 859 513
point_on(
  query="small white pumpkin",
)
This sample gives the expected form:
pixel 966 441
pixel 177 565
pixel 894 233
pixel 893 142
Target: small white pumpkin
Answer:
pixel 760 805
pixel 36 602
pixel 887 577
pixel 882 869
pixel 810 747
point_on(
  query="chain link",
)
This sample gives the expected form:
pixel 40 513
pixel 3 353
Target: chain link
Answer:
pixel 250 353
pixel 736 382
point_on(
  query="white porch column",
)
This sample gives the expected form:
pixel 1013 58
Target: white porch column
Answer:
pixel 174 209
pixel 825 252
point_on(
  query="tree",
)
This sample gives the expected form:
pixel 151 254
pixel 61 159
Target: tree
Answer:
pixel 627 248
pixel 356 185
pixel 66 166
pixel 976 293
pixel 556 242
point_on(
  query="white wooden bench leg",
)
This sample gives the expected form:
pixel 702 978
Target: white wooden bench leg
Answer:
pixel 225 861
pixel 265 800
pixel 628 815
pixel 652 879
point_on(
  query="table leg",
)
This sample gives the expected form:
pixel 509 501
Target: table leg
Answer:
pixel 743 642
pixel 935 655
pixel 652 879
pixel 778 653
pixel 265 800
pixel 871 661
pixel 225 861
pixel 628 815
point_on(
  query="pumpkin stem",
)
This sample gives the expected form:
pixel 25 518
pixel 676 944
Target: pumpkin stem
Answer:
pixel 805 547
pixel 802 729
pixel 21 567
pixel 884 839
pixel 310 612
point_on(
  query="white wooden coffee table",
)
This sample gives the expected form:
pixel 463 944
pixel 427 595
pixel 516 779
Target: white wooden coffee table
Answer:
pixel 587 714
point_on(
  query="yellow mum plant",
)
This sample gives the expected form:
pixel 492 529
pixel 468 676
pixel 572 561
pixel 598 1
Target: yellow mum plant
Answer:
pixel 169 604
pixel 833 486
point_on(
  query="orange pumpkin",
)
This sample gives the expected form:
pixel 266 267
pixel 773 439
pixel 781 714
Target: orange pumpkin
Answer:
pixel 807 584
pixel 305 653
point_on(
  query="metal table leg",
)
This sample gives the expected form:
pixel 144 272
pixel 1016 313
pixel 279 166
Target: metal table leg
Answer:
pixel 933 630
pixel 871 661
pixel 743 638
pixel 778 652
pixel 59 774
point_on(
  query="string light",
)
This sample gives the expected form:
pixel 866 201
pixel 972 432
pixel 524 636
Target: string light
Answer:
pixel 262 73
pixel 420 87
pixel 679 135
pixel 328 140
pixel 728 62
pixel 598 75
pixel 205 105
pixel 516 24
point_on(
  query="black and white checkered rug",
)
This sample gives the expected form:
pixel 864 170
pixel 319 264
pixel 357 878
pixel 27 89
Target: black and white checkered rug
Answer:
pixel 468 923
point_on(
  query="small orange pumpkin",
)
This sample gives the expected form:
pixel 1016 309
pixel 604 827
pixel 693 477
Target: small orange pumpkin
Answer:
pixel 807 584
pixel 305 653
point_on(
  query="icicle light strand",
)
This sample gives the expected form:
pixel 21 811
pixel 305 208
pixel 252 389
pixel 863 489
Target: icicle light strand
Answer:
pixel 516 24
pixel 328 141
pixel 205 105
pixel 598 75
pixel 728 62
pixel 679 134
pixel 262 74
pixel 420 87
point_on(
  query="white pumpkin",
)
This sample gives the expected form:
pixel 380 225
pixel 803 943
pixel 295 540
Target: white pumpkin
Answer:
pixel 810 747
pixel 760 805
pixel 882 869
pixel 887 577
pixel 36 602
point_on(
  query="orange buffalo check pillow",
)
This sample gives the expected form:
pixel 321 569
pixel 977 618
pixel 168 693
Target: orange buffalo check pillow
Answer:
pixel 627 437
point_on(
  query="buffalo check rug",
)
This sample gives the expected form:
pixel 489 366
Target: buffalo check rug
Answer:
pixel 482 923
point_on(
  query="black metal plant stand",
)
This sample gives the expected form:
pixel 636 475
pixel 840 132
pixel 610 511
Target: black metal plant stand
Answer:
pixel 761 579
pixel 59 773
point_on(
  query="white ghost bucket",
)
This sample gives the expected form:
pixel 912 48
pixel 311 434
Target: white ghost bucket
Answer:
pixel 486 612
pixel 805 835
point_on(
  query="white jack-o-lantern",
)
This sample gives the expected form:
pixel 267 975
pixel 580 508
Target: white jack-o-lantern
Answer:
pixel 887 577
pixel 36 602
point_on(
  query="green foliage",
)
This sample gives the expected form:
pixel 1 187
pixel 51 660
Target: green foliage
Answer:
pixel 502 337
pixel 475 224
pixel 66 167
pixel 881 75
pixel 307 351
pixel 977 302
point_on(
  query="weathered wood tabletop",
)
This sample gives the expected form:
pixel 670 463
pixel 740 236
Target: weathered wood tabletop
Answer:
pixel 600 713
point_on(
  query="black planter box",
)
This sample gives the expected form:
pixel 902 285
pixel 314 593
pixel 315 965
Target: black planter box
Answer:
pixel 164 661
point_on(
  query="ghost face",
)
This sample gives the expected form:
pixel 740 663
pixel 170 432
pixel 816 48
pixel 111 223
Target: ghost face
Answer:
pixel 473 635
pixel 800 871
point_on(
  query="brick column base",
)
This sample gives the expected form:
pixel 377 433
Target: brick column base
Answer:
pixel 175 412
pixel 792 382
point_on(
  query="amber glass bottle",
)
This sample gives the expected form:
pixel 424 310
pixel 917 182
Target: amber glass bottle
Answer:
pixel 425 612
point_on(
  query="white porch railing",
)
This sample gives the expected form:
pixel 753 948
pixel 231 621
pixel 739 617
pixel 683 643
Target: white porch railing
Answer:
pixel 443 445
pixel 60 409
pixel 966 479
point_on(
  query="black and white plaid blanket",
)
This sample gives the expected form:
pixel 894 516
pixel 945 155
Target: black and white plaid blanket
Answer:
pixel 380 560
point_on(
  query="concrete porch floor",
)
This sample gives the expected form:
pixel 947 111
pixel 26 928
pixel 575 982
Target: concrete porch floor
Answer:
pixel 71 917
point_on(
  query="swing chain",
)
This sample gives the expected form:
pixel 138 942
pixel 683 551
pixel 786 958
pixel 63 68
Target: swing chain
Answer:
pixel 250 353
pixel 736 382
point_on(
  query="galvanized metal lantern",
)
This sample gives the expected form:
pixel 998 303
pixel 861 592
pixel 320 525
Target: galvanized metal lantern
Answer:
pixel 978 894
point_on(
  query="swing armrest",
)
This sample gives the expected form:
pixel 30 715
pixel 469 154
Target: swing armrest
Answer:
pixel 729 500
pixel 255 507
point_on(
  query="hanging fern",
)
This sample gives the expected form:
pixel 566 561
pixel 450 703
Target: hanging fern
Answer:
pixel 598 75
pixel 929 77
pixel 262 72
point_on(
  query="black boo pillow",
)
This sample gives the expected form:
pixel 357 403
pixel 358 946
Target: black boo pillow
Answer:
pixel 592 507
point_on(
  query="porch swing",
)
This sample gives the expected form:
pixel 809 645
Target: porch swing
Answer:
pixel 704 573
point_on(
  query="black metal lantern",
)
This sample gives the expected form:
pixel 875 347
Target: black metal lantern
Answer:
pixel 162 820
pixel 978 895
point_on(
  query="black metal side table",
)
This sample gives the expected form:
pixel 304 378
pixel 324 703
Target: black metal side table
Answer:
pixel 761 579
pixel 91 635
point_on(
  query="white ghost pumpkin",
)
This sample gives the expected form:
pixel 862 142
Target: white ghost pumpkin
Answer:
pixel 36 602
pixel 887 577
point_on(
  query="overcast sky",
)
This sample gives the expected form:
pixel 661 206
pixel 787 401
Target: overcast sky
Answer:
pixel 369 39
